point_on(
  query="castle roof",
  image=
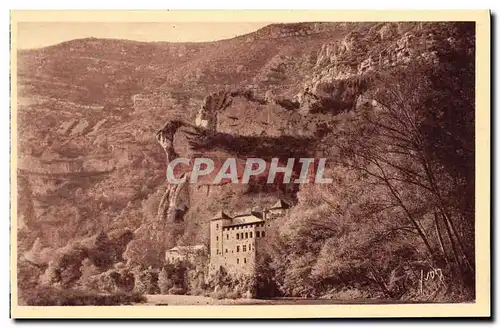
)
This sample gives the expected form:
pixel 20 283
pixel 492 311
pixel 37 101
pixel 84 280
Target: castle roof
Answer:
pixel 246 219
pixel 239 219
pixel 221 215
pixel 243 218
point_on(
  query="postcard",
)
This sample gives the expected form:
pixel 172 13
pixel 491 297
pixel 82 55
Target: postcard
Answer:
pixel 250 164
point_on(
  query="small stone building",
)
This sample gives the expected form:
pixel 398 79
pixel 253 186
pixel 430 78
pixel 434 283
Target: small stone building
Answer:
pixel 184 253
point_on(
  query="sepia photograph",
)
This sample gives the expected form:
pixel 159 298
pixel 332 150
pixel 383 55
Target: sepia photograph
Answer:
pixel 188 166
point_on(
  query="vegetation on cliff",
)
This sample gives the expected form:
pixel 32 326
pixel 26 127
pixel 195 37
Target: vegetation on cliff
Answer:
pixel 401 209
pixel 397 131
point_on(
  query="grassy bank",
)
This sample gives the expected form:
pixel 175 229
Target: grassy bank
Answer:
pixel 50 296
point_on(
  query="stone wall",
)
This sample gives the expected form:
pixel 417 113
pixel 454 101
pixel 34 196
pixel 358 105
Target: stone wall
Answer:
pixel 235 247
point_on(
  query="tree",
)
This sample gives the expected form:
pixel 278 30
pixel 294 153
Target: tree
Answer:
pixel 146 281
pixel 409 143
pixel 164 281
pixel 399 202
pixel 265 283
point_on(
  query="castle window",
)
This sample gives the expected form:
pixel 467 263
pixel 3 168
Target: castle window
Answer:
pixel 249 247
pixel 244 248
pixel 237 249
pixel 226 250
pixel 245 260
pixel 237 261
pixel 237 236
pixel 251 236
pixel 246 235
pixel 257 234
pixel 217 238
pixel 227 236
pixel 263 233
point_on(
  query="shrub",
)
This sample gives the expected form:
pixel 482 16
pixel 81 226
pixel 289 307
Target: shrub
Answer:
pixel 28 274
pixel 164 282
pixel 348 294
pixel 233 295
pixel 198 292
pixel 50 296
pixel 146 282
pixel 177 291
pixel 218 295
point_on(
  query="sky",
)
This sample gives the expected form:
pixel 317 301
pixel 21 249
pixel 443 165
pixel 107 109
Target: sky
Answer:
pixel 42 34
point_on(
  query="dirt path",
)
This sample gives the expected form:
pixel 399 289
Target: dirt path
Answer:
pixel 197 300
pixel 202 300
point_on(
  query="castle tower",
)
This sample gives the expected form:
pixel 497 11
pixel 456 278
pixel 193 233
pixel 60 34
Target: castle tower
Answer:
pixel 217 241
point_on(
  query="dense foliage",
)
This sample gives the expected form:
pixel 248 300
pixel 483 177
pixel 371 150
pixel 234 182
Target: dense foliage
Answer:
pixel 401 208
pixel 396 223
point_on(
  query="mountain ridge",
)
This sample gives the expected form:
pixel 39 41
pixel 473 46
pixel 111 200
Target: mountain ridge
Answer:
pixel 264 90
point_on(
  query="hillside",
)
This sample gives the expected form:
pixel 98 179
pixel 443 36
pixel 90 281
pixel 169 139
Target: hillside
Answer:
pixel 77 98
pixel 90 109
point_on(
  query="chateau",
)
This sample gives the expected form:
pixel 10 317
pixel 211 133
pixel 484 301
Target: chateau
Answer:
pixel 235 241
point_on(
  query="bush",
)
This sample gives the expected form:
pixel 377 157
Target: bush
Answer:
pixel 174 275
pixel 233 295
pixel 111 281
pixel 164 282
pixel 50 296
pixel 28 274
pixel 146 282
pixel 177 291
pixel 218 295
pixel 347 294
pixel 198 292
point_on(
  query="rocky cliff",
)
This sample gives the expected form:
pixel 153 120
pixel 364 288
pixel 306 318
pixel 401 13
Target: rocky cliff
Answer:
pixel 272 93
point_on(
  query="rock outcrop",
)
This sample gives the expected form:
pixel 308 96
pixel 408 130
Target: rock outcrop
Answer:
pixel 229 125
pixel 341 66
pixel 212 105
pixel 323 65
pixel 174 203
pixel 279 31
pixel 165 138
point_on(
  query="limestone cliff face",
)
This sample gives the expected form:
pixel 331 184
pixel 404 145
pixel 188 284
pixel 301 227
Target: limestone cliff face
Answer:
pixel 174 203
pixel 165 138
pixel 322 64
pixel 212 105
pixel 172 207
pixel 229 125
pixel 341 65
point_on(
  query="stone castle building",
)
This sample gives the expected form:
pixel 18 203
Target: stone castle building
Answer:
pixel 235 241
